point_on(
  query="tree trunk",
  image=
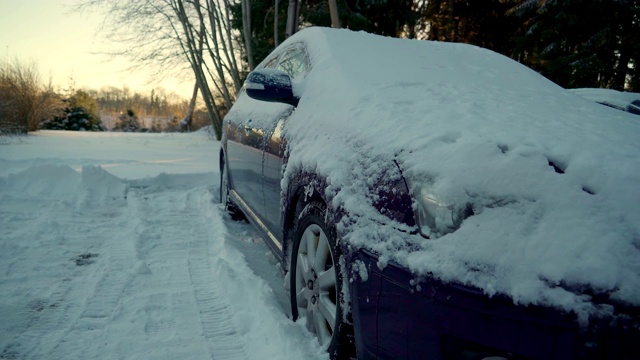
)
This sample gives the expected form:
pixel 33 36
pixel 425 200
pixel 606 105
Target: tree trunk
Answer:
pixel 192 106
pixel 195 58
pixel 333 10
pixel 292 17
pixel 246 27
pixel 275 24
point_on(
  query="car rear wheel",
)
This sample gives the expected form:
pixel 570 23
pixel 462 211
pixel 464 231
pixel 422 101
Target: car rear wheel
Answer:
pixel 316 282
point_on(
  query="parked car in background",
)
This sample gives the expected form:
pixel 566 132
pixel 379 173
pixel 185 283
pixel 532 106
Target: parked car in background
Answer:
pixel 439 201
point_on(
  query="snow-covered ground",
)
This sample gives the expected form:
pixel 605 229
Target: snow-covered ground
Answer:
pixel 113 246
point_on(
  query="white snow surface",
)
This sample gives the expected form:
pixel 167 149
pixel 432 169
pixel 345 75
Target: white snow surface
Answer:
pixel 113 246
pixel 481 129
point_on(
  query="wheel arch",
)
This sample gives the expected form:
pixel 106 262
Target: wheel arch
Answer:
pixel 303 189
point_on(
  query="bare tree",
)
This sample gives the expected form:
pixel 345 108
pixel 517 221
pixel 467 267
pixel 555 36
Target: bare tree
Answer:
pixel 192 46
pixel 25 100
pixel 176 35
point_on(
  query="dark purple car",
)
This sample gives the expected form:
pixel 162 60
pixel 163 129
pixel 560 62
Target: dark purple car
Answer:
pixel 414 193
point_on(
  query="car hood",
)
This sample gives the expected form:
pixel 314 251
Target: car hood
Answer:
pixel 553 178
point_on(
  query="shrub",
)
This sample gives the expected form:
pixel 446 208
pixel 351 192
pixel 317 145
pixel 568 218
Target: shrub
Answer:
pixel 76 119
pixel 127 122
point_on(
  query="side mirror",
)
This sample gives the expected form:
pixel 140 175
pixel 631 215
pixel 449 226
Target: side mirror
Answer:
pixel 270 85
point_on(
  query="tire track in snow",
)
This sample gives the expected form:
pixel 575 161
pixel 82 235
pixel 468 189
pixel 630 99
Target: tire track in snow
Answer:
pixel 238 315
pixel 215 309
pixel 115 275
pixel 239 263
pixel 59 284
pixel 161 294
pixel 175 280
pixel 40 312
pixel 100 297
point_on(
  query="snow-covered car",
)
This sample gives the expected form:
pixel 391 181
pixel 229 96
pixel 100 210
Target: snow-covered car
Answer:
pixel 438 200
pixel 621 100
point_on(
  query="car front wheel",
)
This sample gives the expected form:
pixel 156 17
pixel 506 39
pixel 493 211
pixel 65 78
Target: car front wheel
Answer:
pixel 316 282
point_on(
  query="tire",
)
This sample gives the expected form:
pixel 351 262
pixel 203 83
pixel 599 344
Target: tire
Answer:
pixel 225 200
pixel 316 281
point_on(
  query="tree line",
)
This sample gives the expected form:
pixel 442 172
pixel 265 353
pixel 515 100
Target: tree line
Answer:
pixel 575 43
pixel 121 108
pixel 29 103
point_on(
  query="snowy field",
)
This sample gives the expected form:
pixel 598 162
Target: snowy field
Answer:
pixel 114 246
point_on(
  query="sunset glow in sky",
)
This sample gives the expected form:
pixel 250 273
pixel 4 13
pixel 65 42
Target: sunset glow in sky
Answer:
pixel 64 43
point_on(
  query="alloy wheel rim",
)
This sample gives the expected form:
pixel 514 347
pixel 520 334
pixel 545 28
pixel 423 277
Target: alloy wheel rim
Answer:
pixel 316 285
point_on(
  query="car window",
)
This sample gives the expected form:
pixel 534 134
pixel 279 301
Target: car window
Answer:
pixel 271 63
pixel 294 63
pixel 634 107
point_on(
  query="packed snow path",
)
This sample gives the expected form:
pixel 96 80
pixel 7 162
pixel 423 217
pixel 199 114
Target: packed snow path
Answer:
pixel 96 267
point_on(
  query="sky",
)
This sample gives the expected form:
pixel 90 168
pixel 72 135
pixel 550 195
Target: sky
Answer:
pixel 65 45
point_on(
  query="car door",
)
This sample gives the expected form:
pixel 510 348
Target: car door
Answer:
pixel 245 143
pixel 295 62
pixel 250 126
pixel 245 128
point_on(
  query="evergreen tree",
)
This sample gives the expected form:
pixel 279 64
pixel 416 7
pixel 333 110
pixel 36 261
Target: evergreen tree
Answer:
pixel 79 114
pixel 581 43
pixel 74 118
pixel 262 26
pixel 127 122
pixel 482 23
pixel 386 17
pixel 575 43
